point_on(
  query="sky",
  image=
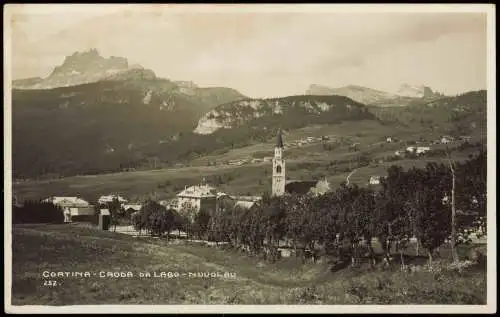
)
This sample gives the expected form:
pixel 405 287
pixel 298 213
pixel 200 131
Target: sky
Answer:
pixel 262 52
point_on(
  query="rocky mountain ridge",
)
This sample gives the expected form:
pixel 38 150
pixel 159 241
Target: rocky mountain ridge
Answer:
pixel 371 96
pixel 298 110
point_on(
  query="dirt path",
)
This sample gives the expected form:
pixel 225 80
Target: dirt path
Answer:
pixel 350 174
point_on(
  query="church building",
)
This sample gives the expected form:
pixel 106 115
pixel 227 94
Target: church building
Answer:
pixel 280 185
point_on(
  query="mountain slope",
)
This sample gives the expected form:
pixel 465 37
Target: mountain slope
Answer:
pixel 459 115
pixel 293 111
pixel 90 67
pixel 114 125
pixel 104 126
pixel 94 127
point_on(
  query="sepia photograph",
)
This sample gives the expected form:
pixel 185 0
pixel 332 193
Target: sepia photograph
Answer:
pixel 245 158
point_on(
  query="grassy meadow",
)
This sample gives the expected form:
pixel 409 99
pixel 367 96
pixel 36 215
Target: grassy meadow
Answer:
pixel 310 161
pixel 71 248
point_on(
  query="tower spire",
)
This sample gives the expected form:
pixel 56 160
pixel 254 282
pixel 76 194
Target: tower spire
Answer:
pixel 279 139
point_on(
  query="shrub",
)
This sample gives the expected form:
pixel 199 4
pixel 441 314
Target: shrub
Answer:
pixel 37 212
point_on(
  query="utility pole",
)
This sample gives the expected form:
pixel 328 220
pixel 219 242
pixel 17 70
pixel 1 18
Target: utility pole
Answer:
pixel 453 210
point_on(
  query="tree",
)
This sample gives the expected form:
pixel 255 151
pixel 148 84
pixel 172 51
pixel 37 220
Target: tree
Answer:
pixel 392 217
pixel 219 224
pixel 138 221
pixel 37 212
pixel 434 225
pixel 201 222
pixel 273 221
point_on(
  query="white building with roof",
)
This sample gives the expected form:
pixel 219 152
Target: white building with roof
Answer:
pixel 72 206
pixel 109 198
pixel 423 149
pixel 244 204
pixel 195 198
pixel 446 139
pixel 375 180
pixel 133 207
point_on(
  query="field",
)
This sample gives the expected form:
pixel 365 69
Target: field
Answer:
pixel 70 248
pixel 309 161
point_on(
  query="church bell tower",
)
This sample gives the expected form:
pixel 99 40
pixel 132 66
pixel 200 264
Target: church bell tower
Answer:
pixel 278 187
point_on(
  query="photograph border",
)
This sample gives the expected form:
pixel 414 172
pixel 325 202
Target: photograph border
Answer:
pixel 491 305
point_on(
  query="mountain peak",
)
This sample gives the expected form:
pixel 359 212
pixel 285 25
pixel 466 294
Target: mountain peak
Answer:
pixel 416 91
pixel 89 66
pixel 89 62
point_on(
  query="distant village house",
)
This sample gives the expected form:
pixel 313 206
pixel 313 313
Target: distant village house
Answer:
pixel 103 200
pixel 446 139
pixel 375 180
pixel 196 198
pixel 72 207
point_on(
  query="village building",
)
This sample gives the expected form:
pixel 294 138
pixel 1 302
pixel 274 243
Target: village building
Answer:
pixel 446 139
pixel 132 207
pixel 170 203
pixel 422 149
pixel 103 200
pixel 196 198
pixel 247 198
pixel 244 204
pixel 72 207
pixel 375 180
pixel 280 185
pixel 418 149
pixel 278 182
pixel 104 219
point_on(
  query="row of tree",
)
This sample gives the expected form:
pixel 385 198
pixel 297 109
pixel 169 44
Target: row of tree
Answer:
pixel 416 204
pixel 158 220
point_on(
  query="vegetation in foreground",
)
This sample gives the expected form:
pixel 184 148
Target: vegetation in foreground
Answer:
pixel 69 248
pixel 390 271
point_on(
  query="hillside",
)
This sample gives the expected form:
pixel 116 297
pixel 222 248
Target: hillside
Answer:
pixel 104 115
pixel 70 248
pixel 103 126
pixel 287 112
pixel 244 170
pixel 148 123
pixel 463 114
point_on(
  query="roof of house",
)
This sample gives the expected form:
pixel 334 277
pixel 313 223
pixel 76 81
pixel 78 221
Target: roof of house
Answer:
pixel 248 198
pixel 244 204
pixel 109 198
pixel 220 194
pixel 198 191
pixel 68 201
pixel 135 207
